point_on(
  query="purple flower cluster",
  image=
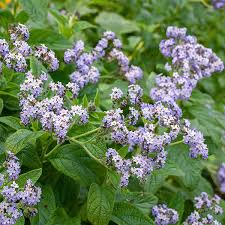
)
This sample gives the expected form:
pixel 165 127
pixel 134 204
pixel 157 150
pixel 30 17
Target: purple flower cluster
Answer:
pixel 195 140
pixel 121 165
pixel 164 215
pixel 12 166
pixel 205 209
pixel 19 32
pixel 116 94
pixel 221 177
pixel 149 128
pixel 191 61
pixel 109 47
pixel 51 111
pixel 122 126
pixel 218 4
pixel 15 58
pixel 15 199
pixel 47 57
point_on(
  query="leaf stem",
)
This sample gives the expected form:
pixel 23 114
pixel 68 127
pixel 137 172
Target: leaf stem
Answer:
pixel 176 143
pixel 85 134
pixel 203 2
pixel 88 152
pixel 53 150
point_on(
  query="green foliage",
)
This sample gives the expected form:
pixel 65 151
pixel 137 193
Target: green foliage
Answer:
pixel 100 204
pixel 21 139
pixel 34 175
pixel 37 9
pixel 72 161
pixel 77 185
pixel 126 214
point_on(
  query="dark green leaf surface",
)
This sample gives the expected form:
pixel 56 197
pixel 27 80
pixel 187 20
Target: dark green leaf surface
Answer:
pixel 75 163
pixel 100 204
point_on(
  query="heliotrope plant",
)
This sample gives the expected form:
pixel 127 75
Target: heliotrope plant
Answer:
pixel 143 127
pixel 14 54
pixel 17 200
pixel 218 4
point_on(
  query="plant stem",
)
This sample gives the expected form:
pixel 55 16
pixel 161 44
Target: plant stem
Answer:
pixel 203 2
pixel 88 152
pixel 176 143
pixel 53 150
pixel 85 134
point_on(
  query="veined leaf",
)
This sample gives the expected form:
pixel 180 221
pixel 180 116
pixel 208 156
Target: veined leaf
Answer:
pixel 127 214
pixel 100 204
pixel 116 23
pixel 74 162
pixel 37 9
pixel 46 207
pixel 34 175
pixel 11 121
pixel 20 139
pixel 60 217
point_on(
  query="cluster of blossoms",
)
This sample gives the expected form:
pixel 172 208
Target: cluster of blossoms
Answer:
pixel 195 140
pixel 48 108
pixel 164 215
pixel 16 201
pixel 218 4
pixel 107 47
pixel 205 210
pixel 14 54
pixel 148 128
pixel 190 61
pixel 221 177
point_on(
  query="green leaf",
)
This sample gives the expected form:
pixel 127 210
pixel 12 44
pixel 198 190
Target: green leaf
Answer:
pixel 50 38
pixel 36 66
pixel 116 23
pixel 6 18
pixel 157 178
pixel 37 9
pixel 113 178
pixel 74 162
pixel 127 214
pixel 30 156
pixel 11 121
pixel 97 147
pixel 123 151
pixel 85 101
pixel 20 139
pixel 67 192
pixel 34 175
pixel 22 17
pixel 100 204
pixel 208 120
pixel 1 105
pixel 203 185
pixel 97 99
pixel 46 207
pixel 77 130
pixel 60 217
pixel 142 200
pixel 20 221
pixel 83 25
pixel 179 155
pixel 10 100
pixel 61 19
pixel 177 203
